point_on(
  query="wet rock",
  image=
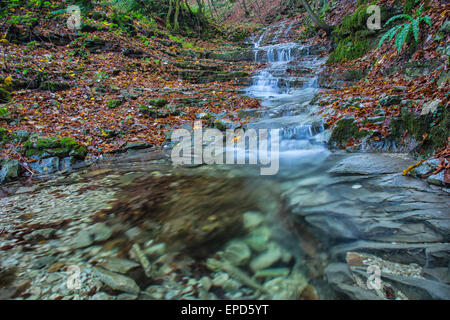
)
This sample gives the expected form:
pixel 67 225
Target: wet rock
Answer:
pixel 116 281
pixel 132 53
pixel 231 286
pixel 102 296
pixel 137 254
pixel 156 250
pixel 81 240
pixel 137 146
pixel 41 234
pixel 220 278
pixel 309 293
pixel 127 296
pixel 54 86
pixel 339 276
pixel 430 107
pixel 258 239
pixel 237 253
pixel 390 100
pixel 45 166
pixel 100 232
pixel 437 179
pixel 425 167
pixel 398 281
pixel 272 273
pixel 363 164
pixel 266 259
pixel 282 288
pixel 252 219
pixel 43 261
pixel 21 135
pixel 66 163
pixel 117 265
pixel 10 170
pixel 224 124
pixel 206 283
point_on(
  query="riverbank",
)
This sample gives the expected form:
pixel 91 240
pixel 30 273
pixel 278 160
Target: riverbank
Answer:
pixel 116 84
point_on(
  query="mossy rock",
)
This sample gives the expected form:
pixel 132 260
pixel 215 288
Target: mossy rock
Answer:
pixel 349 49
pixel 3 136
pixel 157 103
pixel 5 96
pixel 437 126
pixel 54 86
pixel 43 147
pixel 112 104
pixel 344 130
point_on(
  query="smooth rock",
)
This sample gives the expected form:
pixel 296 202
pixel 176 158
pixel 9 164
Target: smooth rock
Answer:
pixel 371 163
pixel 252 219
pixel 237 253
pixel 81 240
pixel 10 170
pixel 272 273
pixel 118 265
pixel 100 231
pixel 266 259
pixel 102 296
pixel 116 281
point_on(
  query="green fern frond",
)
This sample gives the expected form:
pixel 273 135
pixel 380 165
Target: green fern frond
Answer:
pixel 401 37
pixel 415 29
pixel 419 11
pixel 427 20
pixel 389 35
pixel 399 16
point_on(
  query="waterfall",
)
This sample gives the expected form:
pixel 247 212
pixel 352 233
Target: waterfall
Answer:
pixel 288 91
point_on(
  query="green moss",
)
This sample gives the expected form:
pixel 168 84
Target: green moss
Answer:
pixel 54 86
pixel 112 104
pixel 29 153
pixel 158 103
pixel 5 96
pixel 3 136
pixel 408 6
pixel 348 49
pixel 436 125
pixel 351 36
pixel 352 23
pixel 55 147
pixel 344 130
pixel 45 143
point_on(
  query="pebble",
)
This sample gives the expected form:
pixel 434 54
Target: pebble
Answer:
pixel 118 265
pixel 266 259
pixel 116 281
pixel 252 219
pixel 237 253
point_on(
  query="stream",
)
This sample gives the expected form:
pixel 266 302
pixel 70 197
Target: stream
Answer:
pixel 137 227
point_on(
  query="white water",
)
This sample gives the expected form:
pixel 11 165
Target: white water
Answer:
pixel 286 100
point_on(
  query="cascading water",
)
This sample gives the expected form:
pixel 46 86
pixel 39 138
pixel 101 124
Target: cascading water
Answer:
pixel 284 94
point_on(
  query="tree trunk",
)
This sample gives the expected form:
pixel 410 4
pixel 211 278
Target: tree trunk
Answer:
pixel 169 13
pixel 200 7
pixel 322 25
pixel 244 6
pixel 176 25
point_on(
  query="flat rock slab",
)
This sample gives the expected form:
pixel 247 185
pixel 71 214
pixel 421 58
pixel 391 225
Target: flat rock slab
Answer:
pixel 372 164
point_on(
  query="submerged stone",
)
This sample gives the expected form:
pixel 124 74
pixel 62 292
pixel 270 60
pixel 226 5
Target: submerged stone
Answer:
pixel 116 281
pixel 266 259
pixel 237 253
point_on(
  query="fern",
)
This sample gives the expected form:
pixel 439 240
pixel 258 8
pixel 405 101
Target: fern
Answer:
pixel 401 32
